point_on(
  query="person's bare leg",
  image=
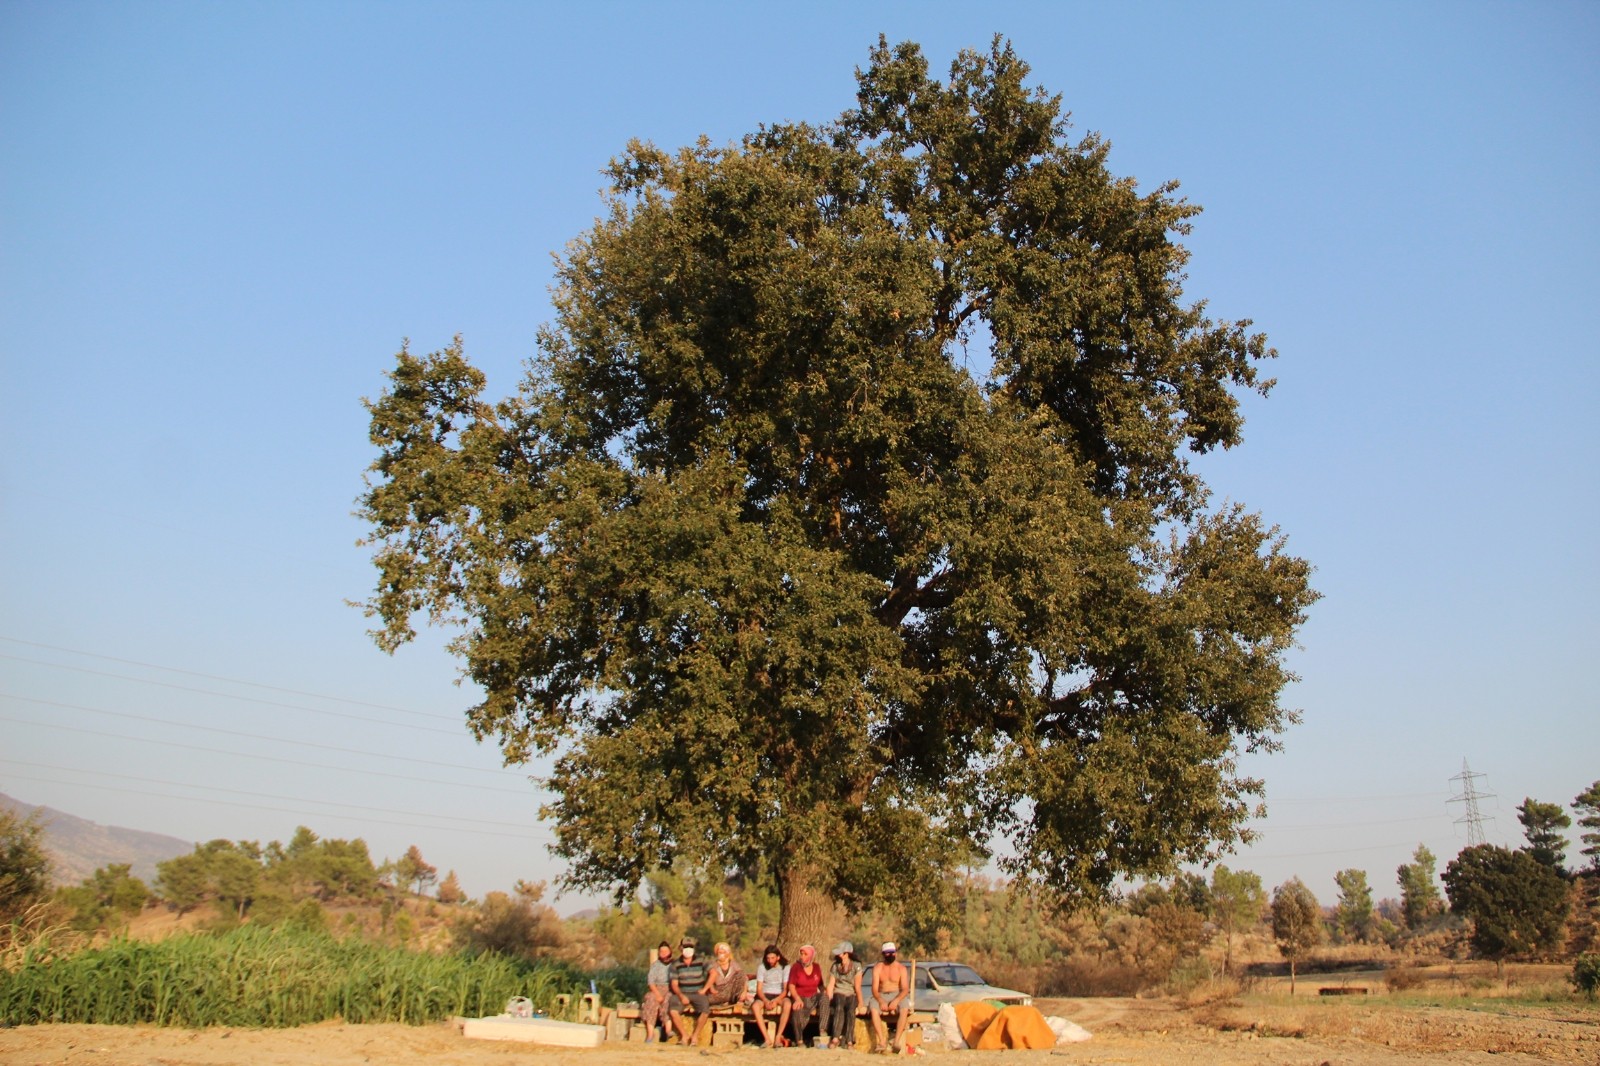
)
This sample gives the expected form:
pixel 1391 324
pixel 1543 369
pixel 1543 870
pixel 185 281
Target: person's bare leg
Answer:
pixel 900 1020
pixel 783 1020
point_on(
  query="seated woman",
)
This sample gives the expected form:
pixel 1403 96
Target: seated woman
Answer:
pixel 804 994
pixel 843 993
pixel 725 982
pixel 772 975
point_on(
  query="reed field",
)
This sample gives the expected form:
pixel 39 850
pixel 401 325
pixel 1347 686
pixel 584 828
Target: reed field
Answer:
pixel 273 978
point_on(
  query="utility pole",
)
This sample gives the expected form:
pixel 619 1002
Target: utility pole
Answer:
pixel 1473 818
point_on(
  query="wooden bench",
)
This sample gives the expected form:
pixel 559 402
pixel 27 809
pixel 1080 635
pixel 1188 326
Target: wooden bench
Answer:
pixel 721 1026
pixel 724 1026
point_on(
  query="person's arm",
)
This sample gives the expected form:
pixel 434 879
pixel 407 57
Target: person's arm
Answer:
pixel 856 985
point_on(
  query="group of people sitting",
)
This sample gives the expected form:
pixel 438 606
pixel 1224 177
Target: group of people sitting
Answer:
pixel 792 994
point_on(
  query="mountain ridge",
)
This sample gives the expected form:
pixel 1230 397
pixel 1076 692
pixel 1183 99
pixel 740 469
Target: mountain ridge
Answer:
pixel 78 847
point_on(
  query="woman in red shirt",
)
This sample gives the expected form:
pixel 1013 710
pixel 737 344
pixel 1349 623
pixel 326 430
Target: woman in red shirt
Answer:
pixel 803 993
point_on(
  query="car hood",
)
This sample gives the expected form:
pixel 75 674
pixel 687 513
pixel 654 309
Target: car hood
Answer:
pixel 969 993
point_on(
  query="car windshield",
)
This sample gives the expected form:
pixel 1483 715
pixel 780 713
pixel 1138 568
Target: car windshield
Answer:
pixel 948 974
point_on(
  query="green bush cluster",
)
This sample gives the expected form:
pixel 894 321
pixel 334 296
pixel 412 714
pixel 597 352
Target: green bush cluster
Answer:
pixel 273 977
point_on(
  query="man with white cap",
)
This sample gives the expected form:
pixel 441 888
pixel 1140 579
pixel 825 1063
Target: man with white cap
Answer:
pixel 891 994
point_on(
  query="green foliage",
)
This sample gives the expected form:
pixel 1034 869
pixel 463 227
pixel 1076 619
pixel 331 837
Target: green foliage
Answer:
pixel 1355 917
pixel 782 582
pixel 1586 975
pixel 24 864
pixel 1420 901
pixel 1515 903
pixel 111 893
pixel 270 977
pixel 412 869
pixel 1587 804
pixel 237 876
pixel 1236 901
pixel 1296 922
pixel 1542 824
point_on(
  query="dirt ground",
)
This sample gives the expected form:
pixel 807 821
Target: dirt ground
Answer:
pixel 1126 1032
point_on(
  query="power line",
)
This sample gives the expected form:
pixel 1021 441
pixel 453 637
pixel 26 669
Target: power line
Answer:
pixel 281 810
pixel 239 733
pixel 387 723
pixel 271 758
pixel 220 677
pixel 233 792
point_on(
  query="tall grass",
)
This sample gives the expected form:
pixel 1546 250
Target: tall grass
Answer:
pixel 270 977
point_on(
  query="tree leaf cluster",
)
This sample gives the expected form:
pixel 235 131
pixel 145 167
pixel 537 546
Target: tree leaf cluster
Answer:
pixel 781 574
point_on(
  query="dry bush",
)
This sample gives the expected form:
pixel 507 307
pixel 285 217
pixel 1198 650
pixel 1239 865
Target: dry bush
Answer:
pixel 1404 978
pixel 1083 975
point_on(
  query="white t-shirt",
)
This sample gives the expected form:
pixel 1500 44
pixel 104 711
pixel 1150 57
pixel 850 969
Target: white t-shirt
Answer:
pixel 771 981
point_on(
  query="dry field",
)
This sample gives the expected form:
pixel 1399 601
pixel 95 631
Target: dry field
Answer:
pixel 1258 1028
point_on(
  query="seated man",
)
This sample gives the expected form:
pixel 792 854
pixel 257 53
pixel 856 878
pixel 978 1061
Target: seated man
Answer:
pixel 687 984
pixel 891 995
pixel 769 998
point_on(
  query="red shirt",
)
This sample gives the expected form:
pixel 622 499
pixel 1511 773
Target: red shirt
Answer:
pixel 805 984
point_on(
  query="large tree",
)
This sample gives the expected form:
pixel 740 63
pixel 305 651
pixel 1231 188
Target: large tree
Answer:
pixel 1516 904
pixel 844 522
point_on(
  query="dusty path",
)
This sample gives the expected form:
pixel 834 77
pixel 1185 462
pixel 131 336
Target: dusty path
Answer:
pixel 1126 1032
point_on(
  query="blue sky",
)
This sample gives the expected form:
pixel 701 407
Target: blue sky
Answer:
pixel 218 222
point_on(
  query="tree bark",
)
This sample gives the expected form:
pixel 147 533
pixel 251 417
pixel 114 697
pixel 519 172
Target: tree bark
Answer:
pixel 805 914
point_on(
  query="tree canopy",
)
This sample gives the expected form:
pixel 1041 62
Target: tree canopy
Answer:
pixel 1587 804
pixel 1516 903
pixel 1542 824
pixel 845 521
pixel 1296 922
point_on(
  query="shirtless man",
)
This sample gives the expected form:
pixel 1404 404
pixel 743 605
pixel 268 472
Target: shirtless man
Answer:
pixel 891 994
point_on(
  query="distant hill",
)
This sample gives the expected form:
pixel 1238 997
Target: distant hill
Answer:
pixel 80 847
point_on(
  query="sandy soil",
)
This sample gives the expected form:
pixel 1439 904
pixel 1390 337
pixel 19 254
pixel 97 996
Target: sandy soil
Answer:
pixel 1126 1032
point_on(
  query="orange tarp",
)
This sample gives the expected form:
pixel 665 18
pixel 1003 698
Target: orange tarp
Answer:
pixel 986 1027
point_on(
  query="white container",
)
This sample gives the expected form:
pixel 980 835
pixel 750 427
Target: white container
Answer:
pixel 534 1031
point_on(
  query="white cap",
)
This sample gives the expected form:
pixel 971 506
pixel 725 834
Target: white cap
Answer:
pixel 889 946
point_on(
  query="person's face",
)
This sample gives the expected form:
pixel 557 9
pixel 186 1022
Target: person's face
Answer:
pixel 688 953
pixel 723 955
pixel 806 955
pixel 772 958
pixel 888 956
pixel 664 953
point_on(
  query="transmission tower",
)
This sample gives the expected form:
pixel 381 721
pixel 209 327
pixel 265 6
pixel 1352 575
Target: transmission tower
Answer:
pixel 1473 819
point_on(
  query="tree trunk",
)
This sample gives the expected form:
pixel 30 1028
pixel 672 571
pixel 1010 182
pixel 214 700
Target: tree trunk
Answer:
pixel 1291 975
pixel 805 914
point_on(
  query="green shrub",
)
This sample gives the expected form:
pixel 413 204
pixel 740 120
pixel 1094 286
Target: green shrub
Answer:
pixel 1586 975
pixel 272 977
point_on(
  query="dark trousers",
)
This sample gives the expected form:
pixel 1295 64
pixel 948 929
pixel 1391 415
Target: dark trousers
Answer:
pixel 800 1017
pixel 841 1020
